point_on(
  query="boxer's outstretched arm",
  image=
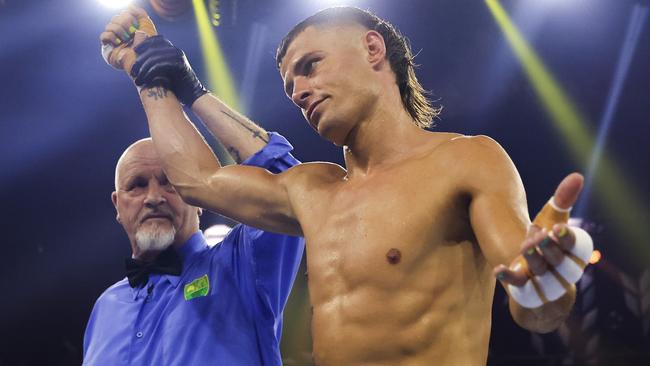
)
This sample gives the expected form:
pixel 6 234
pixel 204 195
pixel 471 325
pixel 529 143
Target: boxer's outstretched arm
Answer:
pixel 499 218
pixel 250 195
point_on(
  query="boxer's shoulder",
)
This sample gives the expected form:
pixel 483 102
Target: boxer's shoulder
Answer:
pixel 469 151
pixel 314 173
pixel 469 144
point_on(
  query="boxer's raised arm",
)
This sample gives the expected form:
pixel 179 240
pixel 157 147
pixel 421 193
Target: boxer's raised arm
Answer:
pixel 250 195
pixel 160 62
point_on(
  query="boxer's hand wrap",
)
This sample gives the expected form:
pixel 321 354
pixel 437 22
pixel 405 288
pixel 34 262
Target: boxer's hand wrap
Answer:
pixel 160 63
pixel 556 281
pixel 123 57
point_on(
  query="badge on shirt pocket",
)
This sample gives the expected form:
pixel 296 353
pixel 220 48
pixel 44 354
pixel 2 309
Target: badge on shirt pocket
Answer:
pixel 197 288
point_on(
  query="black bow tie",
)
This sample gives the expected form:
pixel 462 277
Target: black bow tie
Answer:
pixel 167 262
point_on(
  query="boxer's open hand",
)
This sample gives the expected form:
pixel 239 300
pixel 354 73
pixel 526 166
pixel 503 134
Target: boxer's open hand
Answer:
pixel 544 248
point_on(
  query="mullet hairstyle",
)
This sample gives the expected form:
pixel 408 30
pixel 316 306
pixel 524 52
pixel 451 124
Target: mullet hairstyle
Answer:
pixel 398 53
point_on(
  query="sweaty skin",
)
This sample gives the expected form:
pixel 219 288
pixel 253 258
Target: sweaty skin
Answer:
pixel 402 244
pixel 432 304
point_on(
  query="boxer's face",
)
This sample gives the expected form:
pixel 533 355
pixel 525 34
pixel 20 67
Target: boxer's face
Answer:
pixel 153 215
pixel 327 74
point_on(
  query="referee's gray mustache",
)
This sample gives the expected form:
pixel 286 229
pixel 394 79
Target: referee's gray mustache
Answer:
pixel 157 214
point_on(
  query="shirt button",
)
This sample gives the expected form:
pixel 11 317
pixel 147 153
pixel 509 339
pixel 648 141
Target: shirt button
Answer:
pixel 139 334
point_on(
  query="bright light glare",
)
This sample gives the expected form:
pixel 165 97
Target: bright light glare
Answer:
pixel 115 4
pixel 216 233
pixel 328 3
pixel 595 257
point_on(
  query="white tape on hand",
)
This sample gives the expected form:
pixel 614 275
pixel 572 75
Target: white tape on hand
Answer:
pixel 584 245
pixel 569 270
pixel 525 295
pixel 528 297
pixel 550 287
pixel 107 48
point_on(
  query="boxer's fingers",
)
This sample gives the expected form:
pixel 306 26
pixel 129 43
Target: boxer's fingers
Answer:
pixel 565 237
pixel 536 262
pixel 567 191
pixel 109 38
pixel 119 31
pixel 509 276
pixel 123 21
pixel 127 21
pixel 551 251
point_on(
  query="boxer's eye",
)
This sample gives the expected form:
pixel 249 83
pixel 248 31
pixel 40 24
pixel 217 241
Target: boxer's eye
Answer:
pixel 310 65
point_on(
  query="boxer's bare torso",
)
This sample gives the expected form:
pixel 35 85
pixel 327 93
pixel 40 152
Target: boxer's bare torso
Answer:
pixel 396 276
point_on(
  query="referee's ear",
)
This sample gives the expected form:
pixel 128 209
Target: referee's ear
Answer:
pixel 117 212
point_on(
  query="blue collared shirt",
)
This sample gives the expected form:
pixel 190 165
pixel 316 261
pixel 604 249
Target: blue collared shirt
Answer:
pixel 224 309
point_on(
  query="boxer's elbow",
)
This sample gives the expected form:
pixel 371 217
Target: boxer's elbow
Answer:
pixel 192 189
pixel 190 194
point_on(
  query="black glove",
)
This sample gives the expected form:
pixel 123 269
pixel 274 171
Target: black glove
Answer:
pixel 159 63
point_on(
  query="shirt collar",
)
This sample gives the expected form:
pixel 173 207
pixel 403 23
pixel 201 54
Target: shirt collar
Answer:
pixel 195 244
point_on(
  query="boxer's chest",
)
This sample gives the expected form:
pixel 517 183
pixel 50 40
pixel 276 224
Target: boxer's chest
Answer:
pixel 381 229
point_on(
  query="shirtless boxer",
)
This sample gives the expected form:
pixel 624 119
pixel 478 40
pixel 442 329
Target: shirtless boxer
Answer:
pixel 404 243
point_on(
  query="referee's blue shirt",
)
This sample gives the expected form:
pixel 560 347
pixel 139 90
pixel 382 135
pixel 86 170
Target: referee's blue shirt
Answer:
pixel 224 309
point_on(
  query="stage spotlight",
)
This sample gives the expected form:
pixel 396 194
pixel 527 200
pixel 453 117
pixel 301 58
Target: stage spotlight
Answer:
pixel 330 3
pixel 618 194
pixel 115 4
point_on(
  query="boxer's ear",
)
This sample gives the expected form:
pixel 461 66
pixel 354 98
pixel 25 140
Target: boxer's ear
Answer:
pixel 375 48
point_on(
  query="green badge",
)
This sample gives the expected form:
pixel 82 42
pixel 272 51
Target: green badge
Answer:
pixel 197 288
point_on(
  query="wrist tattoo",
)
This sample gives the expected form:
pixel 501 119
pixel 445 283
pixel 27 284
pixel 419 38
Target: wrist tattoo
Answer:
pixel 257 132
pixel 157 92
pixel 235 154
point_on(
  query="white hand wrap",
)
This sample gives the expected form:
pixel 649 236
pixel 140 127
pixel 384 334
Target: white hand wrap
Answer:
pixel 107 48
pixel 539 290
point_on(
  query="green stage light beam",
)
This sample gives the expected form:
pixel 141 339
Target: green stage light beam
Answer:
pixel 218 72
pixel 616 194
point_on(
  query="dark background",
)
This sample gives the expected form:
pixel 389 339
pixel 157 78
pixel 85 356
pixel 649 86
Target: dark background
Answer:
pixel 65 117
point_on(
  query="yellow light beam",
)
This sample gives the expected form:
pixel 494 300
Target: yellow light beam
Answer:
pixel 219 76
pixel 616 195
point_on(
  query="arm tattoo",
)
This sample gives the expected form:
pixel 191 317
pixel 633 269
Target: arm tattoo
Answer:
pixel 235 154
pixel 257 132
pixel 157 93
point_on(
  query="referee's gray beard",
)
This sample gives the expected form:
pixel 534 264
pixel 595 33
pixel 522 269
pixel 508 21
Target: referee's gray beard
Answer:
pixel 155 237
